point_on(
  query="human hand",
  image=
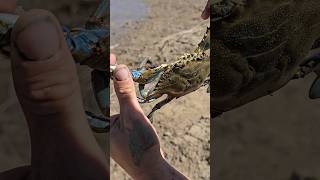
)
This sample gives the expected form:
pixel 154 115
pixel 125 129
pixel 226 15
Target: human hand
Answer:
pixel 206 12
pixel 47 86
pixel 134 143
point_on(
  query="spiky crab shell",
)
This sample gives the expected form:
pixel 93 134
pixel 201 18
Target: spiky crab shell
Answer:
pixel 222 9
pixel 179 78
pixel 260 51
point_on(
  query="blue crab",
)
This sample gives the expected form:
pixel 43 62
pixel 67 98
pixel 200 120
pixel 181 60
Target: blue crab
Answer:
pixel 187 74
pixel 260 46
pixel 221 9
pixel 89 46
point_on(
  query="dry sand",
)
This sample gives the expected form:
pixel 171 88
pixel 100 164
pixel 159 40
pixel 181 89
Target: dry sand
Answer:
pixel 270 138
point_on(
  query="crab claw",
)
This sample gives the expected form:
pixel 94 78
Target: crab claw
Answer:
pixel 143 100
pixel 98 124
pixel 144 94
pixel 7 22
pixel 100 83
pixel 204 45
pixel 144 63
pixel 145 90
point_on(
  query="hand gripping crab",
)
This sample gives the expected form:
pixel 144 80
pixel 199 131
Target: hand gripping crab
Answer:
pixel 89 46
pixel 259 46
pixel 187 74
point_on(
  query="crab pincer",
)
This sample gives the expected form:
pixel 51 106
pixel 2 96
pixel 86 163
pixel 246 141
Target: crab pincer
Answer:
pixel 187 74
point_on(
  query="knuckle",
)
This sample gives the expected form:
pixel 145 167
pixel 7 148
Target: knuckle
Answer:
pixel 125 91
pixel 51 93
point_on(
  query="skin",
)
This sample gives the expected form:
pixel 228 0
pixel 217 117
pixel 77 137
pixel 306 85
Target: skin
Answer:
pixel 47 86
pixel 63 146
pixel 206 12
pixel 134 142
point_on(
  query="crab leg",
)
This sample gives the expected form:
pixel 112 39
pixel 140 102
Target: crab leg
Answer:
pixel 100 84
pixel 159 106
pixel 205 42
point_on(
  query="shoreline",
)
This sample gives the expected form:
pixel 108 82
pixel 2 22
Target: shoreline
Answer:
pixel 118 19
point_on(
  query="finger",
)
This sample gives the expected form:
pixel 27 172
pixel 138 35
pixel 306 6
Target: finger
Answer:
pixel 113 59
pixel 125 90
pixel 206 12
pixel 43 69
pixel 8 6
pixel 48 90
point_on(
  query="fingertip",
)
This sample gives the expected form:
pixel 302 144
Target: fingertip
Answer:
pixel 124 86
pixel 113 59
pixel 122 73
pixel 36 35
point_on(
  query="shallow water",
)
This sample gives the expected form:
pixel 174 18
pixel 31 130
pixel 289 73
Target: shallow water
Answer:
pixel 124 11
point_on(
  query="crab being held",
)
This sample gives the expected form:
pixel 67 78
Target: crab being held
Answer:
pixel 221 9
pixel 261 48
pixel 89 46
pixel 187 74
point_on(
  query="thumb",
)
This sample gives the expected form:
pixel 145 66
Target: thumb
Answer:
pixel 43 70
pixel 206 12
pixel 125 90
